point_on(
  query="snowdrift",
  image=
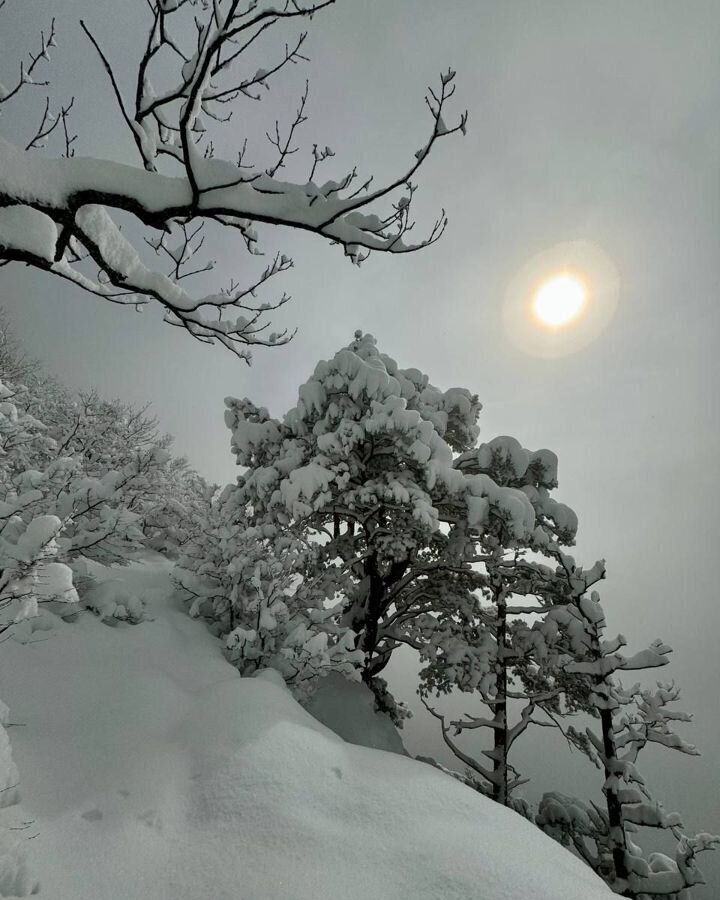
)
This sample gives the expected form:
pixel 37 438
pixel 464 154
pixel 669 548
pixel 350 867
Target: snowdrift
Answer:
pixel 154 772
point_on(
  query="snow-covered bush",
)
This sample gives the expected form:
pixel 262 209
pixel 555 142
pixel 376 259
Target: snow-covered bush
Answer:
pixel 110 470
pixel 74 482
pixel 101 466
pixel 247 580
pixel 29 527
pixel 181 499
pixel 113 603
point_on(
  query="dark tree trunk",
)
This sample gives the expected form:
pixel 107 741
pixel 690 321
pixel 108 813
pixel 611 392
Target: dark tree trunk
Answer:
pixel 616 819
pixel 500 730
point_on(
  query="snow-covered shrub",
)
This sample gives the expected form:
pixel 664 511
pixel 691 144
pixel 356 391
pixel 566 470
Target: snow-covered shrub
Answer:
pixel 109 472
pixel 101 466
pixel 76 469
pixel 156 496
pixel 248 580
pixel 182 498
pixel 113 603
pixel 29 528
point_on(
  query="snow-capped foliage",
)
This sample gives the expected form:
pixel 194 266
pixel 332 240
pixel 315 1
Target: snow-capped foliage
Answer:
pixel 481 646
pixel 113 603
pixel 100 466
pixel 29 526
pixel 180 498
pixel 291 629
pixel 629 719
pixel 375 477
pixel 96 472
pixel 84 465
pixel 60 214
pixel 247 578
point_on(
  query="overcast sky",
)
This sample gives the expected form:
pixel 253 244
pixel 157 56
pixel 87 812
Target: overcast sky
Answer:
pixel 594 121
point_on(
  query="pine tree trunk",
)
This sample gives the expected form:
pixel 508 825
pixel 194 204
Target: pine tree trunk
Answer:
pixel 500 730
pixel 376 605
pixel 616 819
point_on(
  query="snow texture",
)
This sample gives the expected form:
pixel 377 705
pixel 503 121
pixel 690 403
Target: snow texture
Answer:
pixel 25 228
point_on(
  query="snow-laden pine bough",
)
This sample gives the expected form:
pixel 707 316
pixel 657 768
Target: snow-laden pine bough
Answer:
pixel 628 720
pixel 486 647
pixel 62 215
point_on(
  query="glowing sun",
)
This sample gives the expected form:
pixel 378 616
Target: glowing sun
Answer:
pixel 559 300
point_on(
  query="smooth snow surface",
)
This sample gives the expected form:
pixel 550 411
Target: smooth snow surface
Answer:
pixel 154 772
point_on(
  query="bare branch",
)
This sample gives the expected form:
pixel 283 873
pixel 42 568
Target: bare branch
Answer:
pixel 469 761
pixel 26 72
pixel 284 148
pixel 149 165
pixel 48 125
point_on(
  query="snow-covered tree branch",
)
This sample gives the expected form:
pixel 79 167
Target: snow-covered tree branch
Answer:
pixel 62 215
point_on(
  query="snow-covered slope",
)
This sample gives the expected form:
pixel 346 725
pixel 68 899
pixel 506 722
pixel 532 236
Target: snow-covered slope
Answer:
pixel 154 772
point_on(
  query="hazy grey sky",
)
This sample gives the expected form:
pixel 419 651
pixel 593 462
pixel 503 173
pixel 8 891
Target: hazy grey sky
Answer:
pixel 588 120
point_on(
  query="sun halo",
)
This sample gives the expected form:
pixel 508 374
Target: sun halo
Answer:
pixel 559 300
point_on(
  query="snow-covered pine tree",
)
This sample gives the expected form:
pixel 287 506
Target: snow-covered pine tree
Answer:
pixel 629 719
pixel 482 647
pixel 362 471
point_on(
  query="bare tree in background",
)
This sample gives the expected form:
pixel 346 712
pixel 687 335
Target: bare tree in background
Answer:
pixel 15 364
pixel 61 215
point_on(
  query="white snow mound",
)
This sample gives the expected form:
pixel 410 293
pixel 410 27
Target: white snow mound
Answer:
pixel 154 772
